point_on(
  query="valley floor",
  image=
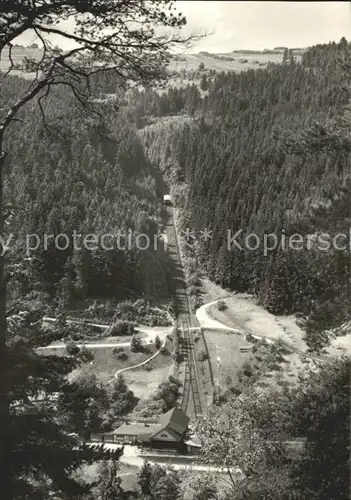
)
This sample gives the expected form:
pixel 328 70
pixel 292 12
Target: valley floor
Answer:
pixel 244 314
pixel 224 332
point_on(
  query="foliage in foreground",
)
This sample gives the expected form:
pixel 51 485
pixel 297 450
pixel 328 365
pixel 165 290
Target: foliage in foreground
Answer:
pixel 252 432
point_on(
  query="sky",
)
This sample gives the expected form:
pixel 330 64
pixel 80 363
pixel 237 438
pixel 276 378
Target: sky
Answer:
pixel 259 25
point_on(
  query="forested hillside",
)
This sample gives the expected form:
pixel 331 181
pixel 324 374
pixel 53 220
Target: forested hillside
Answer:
pixel 75 171
pixel 251 160
pixel 260 152
pixel 268 152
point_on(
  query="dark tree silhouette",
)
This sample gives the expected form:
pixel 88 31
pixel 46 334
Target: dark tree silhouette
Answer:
pixel 119 37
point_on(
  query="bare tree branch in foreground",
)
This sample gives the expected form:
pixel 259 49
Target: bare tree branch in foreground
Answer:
pixel 125 37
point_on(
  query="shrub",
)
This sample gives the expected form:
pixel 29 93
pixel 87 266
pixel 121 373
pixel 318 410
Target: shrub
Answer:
pixel 72 348
pixel 153 321
pixel 174 380
pixel 136 344
pixel 250 338
pixel 221 305
pixel 158 342
pixel 274 366
pixel 122 399
pixel 125 306
pixel 86 355
pixel 141 307
pixel 121 327
pixel 168 393
pixel 193 290
pixel 247 369
pixel 194 279
pixel 118 350
pixel 122 356
pixel 280 347
pixel 195 302
pixel 146 348
pixel 141 311
pixel 176 355
pixel 203 356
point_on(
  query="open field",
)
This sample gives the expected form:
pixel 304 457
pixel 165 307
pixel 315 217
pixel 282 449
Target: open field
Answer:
pixel 212 292
pixel 226 358
pixel 105 362
pixel 243 313
pixel 17 56
pixel 238 61
pixel 232 61
pixel 228 361
pixel 144 381
pixel 184 69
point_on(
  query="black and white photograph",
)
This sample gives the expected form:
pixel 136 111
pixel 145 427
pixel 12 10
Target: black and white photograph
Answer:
pixel 175 250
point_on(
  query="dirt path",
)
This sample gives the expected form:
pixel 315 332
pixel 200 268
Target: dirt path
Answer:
pixel 209 323
pixel 88 346
pixel 76 321
pixel 143 363
pixel 243 315
pixel 149 335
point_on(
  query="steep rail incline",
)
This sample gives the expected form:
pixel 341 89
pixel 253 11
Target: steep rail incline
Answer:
pixel 192 399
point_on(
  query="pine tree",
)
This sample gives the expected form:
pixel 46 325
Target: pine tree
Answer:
pixel 291 57
pixel 109 483
pixel 145 477
pixel 122 399
pixel 136 344
pixel 45 454
pixel 204 83
pixel 142 59
pixel 158 342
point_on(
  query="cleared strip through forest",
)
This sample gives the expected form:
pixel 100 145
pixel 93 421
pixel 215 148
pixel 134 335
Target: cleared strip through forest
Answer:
pixel 192 398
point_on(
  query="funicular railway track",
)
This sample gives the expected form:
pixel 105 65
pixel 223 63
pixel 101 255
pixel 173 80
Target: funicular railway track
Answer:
pixel 191 383
pixel 191 399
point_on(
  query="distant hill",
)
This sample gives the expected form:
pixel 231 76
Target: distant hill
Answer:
pixel 233 61
pixel 18 53
pixel 236 61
